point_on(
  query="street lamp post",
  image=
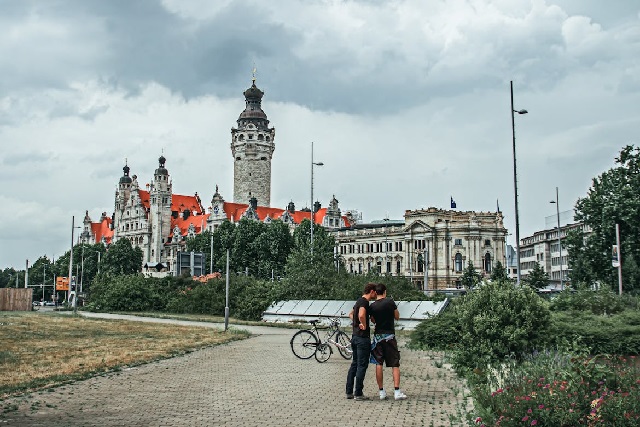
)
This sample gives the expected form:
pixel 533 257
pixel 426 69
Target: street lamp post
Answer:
pixel 71 258
pixel 313 214
pixel 515 179
pixel 559 241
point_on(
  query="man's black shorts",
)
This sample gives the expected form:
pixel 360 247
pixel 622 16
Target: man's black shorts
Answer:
pixel 387 351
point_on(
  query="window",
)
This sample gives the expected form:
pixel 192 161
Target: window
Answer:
pixel 388 266
pixel 458 263
pixel 458 242
pixel 397 267
pixel 487 263
pixel 487 242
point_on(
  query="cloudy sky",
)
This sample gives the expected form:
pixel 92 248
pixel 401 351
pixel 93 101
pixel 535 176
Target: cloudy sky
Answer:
pixel 407 101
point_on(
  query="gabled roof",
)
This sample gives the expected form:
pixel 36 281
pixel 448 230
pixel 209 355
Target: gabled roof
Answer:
pixel 102 229
pixel 179 202
pixel 199 222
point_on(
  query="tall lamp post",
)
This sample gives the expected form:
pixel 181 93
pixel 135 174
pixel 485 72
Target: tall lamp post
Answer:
pixel 313 213
pixel 559 241
pixel 515 179
pixel 71 259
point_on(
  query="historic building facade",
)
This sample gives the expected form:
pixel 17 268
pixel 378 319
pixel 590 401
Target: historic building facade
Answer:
pixel 446 239
pixel 158 221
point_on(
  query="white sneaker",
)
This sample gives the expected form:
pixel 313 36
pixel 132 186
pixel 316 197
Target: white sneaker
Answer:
pixel 383 395
pixel 399 395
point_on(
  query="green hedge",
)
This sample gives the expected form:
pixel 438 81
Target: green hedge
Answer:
pixel 248 297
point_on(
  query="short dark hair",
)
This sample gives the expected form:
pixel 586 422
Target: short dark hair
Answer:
pixel 380 288
pixel 369 287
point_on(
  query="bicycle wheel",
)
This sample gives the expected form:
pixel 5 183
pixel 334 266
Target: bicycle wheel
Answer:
pixel 344 345
pixel 323 352
pixel 303 344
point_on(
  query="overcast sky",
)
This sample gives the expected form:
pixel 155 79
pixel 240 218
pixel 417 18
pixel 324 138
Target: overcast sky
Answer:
pixel 407 101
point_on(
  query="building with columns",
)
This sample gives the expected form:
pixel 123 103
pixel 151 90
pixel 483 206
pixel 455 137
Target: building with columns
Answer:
pixel 446 239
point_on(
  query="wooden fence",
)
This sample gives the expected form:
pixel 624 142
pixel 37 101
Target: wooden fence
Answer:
pixel 15 299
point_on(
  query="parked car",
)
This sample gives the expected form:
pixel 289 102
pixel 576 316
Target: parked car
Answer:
pixel 50 303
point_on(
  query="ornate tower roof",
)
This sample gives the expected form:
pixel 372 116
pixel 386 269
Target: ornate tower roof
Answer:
pixel 253 112
pixel 161 169
pixel 125 179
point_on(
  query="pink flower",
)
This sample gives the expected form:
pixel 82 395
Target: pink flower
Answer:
pixel 540 406
pixel 534 422
pixel 529 411
pixel 478 420
pixel 525 418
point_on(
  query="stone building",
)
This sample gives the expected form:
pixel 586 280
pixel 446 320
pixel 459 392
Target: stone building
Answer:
pixel 252 146
pixel 446 239
pixel 158 221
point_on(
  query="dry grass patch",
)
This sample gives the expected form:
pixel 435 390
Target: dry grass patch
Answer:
pixel 43 350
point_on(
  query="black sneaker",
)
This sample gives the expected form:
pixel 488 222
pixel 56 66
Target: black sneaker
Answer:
pixel 349 396
pixel 361 398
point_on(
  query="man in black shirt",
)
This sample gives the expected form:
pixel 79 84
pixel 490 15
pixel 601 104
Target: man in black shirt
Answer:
pixel 384 312
pixel 360 343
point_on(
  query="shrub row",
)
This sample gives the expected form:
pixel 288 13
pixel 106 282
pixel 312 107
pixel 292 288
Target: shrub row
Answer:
pixel 248 297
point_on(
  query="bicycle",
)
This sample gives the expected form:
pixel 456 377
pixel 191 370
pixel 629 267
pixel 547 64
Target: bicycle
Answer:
pixel 307 343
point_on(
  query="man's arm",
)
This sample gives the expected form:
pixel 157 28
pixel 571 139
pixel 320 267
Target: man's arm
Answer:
pixel 396 314
pixel 351 314
pixel 362 317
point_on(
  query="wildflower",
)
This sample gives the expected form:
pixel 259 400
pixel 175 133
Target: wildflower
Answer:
pixel 540 406
pixel 525 418
pixel 534 422
pixel 478 420
pixel 529 411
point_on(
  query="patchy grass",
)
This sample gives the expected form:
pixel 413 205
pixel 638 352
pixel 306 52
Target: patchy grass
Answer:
pixel 45 350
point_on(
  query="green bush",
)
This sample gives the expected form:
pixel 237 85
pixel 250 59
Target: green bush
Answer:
pixel 602 301
pixel 618 334
pixel 440 332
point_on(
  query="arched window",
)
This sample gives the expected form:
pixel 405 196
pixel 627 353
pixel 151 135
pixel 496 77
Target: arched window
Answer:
pixel 458 262
pixel 487 263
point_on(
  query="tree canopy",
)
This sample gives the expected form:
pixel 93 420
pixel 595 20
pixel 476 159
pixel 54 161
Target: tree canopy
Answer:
pixel 121 259
pixel 614 198
pixel 537 277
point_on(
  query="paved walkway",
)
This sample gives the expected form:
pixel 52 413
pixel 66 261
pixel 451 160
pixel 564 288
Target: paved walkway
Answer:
pixel 253 382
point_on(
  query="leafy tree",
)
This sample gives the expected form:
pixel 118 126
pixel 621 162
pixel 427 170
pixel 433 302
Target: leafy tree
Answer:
pixel 537 277
pixel 8 277
pixel 273 247
pixel 614 198
pixel 470 277
pixel 121 258
pixel 85 262
pixel 499 273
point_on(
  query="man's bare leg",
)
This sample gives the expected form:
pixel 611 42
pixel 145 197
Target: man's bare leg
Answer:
pixel 379 376
pixel 396 377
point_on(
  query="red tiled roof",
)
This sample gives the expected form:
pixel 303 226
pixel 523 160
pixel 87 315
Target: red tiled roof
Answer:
pixel 102 229
pixel 198 221
pixel 179 202
pixel 234 212
pixel 144 197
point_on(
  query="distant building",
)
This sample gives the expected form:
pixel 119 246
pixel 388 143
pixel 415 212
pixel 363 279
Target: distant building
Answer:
pixel 446 239
pixel 542 247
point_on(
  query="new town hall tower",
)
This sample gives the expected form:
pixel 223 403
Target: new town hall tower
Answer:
pixel 252 148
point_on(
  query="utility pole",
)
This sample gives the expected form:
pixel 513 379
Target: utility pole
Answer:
pixel 619 259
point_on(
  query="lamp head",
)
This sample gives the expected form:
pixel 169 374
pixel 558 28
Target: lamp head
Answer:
pixel 520 111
